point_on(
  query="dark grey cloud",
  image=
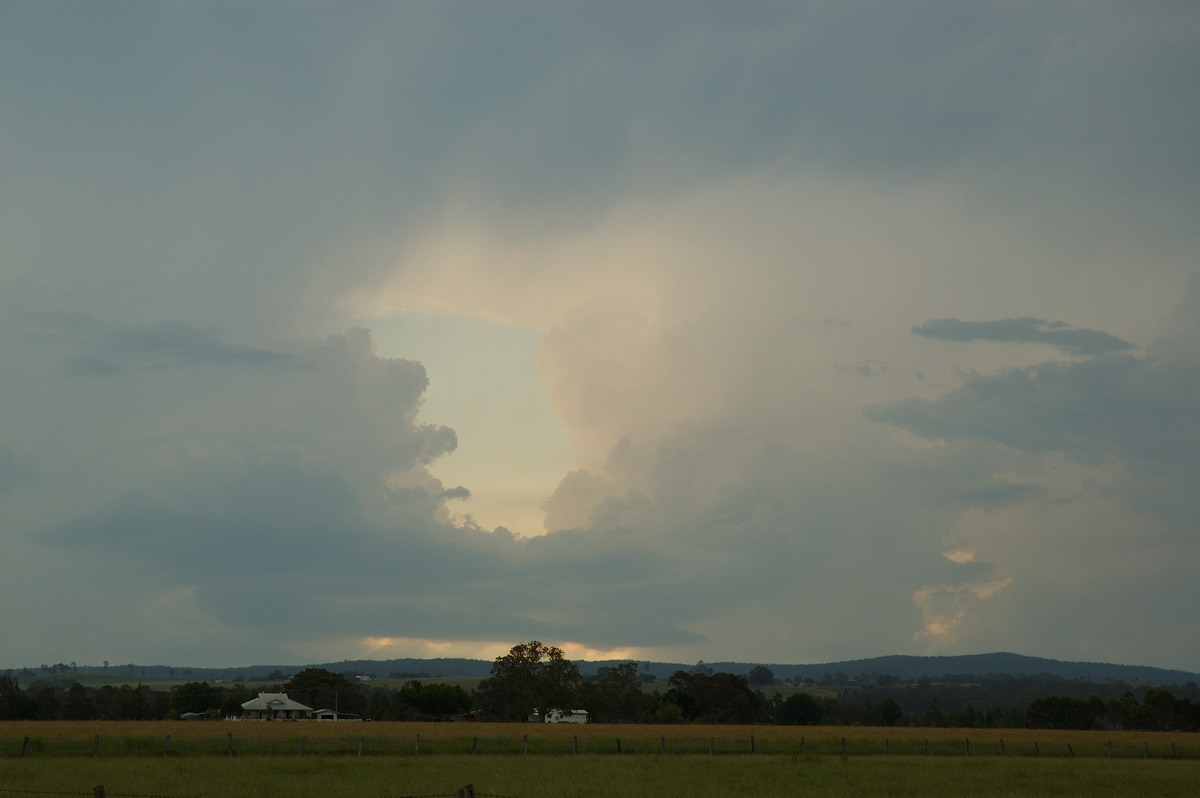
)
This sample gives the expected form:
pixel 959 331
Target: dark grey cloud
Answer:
pixel 106 349
pixel 1055 333
pixel 1142 411
pixel 1112 405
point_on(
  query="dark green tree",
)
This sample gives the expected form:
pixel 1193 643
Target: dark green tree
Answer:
pixel 14 704
pixel 799 709
pixel 78 705
pixel 719 698
pixel 761 675
pixel 530 676
pixel 616 695
pixel 320 688
pixel 889 712
pixel 198 697
pixel 429 701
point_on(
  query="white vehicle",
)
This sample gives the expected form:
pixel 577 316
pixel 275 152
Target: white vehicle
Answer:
pixel 567 716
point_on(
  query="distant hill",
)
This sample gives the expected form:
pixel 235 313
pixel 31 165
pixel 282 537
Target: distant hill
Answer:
pixel 902 666
pixel 912 667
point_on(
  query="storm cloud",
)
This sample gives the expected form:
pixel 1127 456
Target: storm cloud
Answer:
pixel 787 333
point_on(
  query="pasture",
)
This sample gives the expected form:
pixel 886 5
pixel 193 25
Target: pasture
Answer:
pixel 389 760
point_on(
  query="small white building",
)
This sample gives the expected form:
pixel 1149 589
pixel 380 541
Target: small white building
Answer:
pixel 274 706
pixel 333 714
pixel 566 716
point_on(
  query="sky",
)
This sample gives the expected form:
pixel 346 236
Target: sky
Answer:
pixel 778 332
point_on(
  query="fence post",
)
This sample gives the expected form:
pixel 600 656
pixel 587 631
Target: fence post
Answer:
pixel 96 745
pixel 1001 746
pixel 300 747
pixel 1070 749
pixel 843 746
pixel 466 792
pixel 1172 750
pixel 1145 750
pixel 925 748
pixel 1108 750
pixel 618 745
pixel 968 746
pixel 885 744
pixel 752 743
pixel 24 747
pixel 710 746
pixel 474 743
pixel 524 743
pixel 417 745
pixel 360 745
pixel 662 745
pixel 229 744
pixel 167 745
pixel 802 744
pixel 1037 750
pixel 575 744
pixel 98 791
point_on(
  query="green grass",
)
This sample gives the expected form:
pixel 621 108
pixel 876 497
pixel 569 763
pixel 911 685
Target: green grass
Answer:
pixel 597 776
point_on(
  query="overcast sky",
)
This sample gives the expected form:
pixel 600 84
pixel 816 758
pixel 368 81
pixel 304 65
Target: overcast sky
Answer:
pixel 774 332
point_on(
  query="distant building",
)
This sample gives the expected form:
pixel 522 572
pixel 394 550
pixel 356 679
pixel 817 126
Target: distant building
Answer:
pixel 566 716
pixel 331 714
pixel 274 706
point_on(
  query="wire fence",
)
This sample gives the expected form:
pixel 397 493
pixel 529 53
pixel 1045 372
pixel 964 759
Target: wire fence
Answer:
pixel 99 791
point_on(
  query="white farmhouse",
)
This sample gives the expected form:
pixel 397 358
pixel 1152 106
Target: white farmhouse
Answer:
pixel 276 706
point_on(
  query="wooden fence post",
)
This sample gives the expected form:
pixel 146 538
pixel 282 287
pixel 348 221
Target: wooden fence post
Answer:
pixel 96 745
pixel 360 746
pixel 925 749
pixel 752 743
pixel 229 744
pixel 98 791
pixel 1001 746
pixel 843 746
pixel 417 745
pixel 466 792
pixel 885 744
pixel 1037 750
pixel 1145 750
pixel 710 746
pixel 968 746
pixel 524 743
pixel 300 747
pixel 167 745
pixel 802 744
pixel 474 743
pixel 24 747
pixel 1070 749
pixel 618 745
pixel 575 744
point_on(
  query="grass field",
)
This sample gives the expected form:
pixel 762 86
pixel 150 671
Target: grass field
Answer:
pixel 270 759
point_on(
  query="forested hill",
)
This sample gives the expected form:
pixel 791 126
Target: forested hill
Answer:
pixel 911 667
pixel 903 667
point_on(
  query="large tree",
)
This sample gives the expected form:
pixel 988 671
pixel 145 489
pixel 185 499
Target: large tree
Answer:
pixel 323 689
pixel 530 676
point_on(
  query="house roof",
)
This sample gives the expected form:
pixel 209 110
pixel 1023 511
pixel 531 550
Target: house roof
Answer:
pixel 275 702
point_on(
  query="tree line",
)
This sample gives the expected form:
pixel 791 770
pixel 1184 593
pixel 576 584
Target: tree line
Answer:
pixel 534 676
